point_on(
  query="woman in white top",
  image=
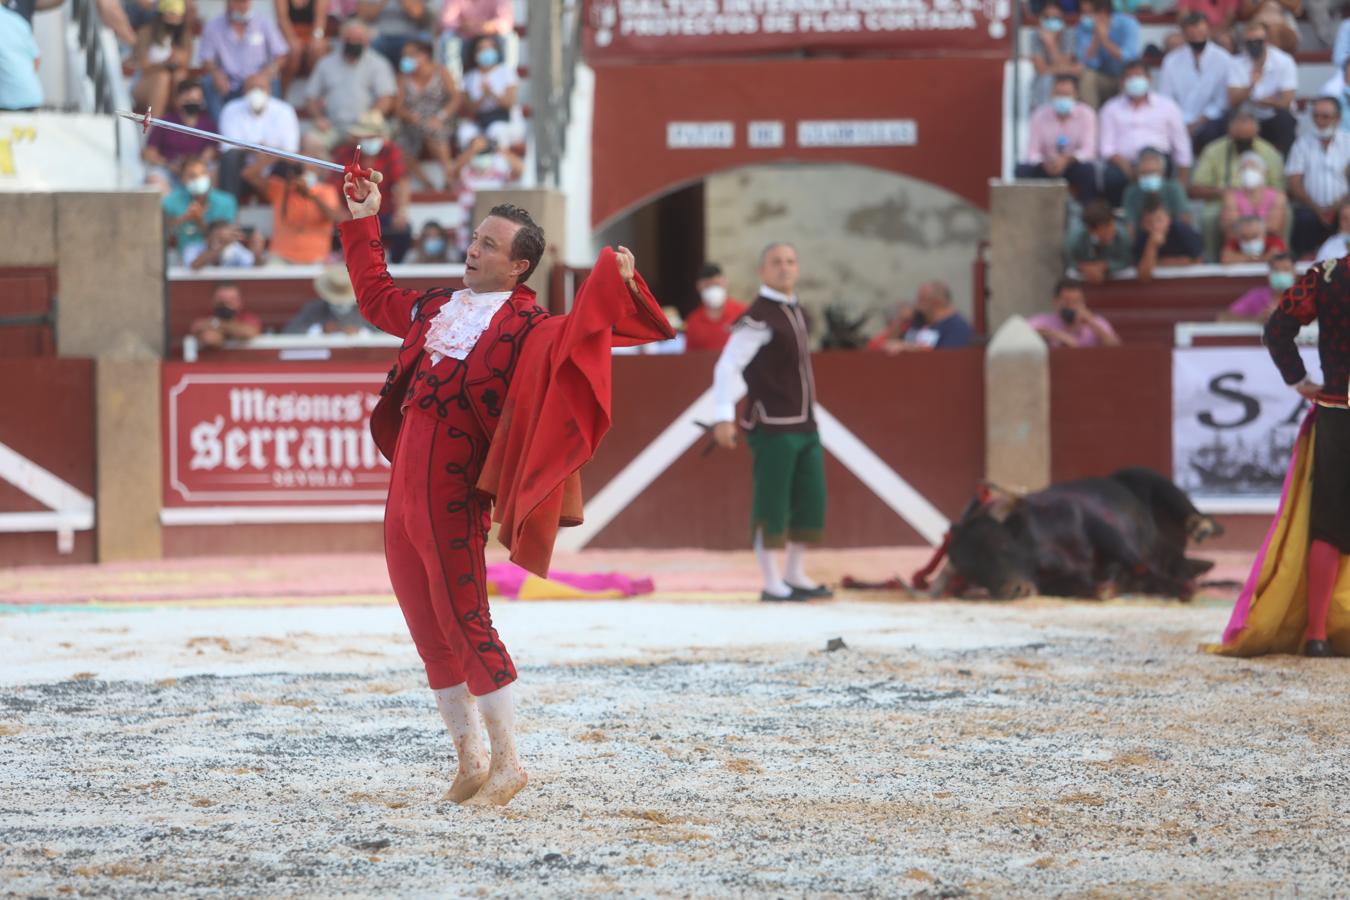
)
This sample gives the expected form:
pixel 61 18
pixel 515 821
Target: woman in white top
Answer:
pixel 490 89
pixel 162 53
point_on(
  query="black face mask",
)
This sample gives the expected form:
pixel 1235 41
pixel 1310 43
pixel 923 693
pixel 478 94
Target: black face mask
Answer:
pixel 1242 145
pixel 223 312
pixel 1198 46
pixel 353 49
pixel 191 109
pixel 1256 48
pixel 1068 315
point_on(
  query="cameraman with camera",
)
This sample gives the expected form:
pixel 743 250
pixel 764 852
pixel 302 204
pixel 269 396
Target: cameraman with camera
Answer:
pixel 1072 324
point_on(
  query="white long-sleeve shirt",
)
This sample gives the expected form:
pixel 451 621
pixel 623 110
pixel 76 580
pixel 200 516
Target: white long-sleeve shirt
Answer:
pixel 748 336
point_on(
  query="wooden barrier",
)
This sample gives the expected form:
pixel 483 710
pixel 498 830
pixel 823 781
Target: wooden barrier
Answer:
pixel 1148 311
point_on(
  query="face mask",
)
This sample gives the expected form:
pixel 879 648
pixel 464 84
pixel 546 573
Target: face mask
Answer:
pixel 257 99
pixel 1281 281
pixel 1327 133
pixel 714 296
pixel 353 49
pixel 1242 145
pixel 1255 48
pixel 199 185
pixel 1063 105
pixel 1250 178
pixel 1150 183
pixel 407 65
pixel 239 18
pixel 372 145
pixel 487 58
pixel 1254 247
pixel 1198 46
pixel 1068 315
pixel 191 109
pixel 1053 25
pixel 310 179
pixel 433 246
pixel 1136 86
pixel 223 312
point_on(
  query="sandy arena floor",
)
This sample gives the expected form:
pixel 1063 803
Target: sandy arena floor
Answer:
pixel 282 744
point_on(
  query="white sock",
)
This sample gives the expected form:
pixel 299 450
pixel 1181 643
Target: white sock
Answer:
pixel 796 567
pixel 773 583
pixel 461 717
pixel 500 716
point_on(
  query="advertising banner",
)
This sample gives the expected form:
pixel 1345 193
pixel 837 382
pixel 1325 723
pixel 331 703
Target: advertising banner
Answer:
pixel 57 152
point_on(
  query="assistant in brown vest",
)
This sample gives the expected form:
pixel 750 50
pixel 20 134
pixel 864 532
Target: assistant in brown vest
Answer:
pixel 768 361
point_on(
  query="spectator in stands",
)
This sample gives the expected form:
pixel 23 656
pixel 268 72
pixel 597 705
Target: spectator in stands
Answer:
pixel 395 22
pixel 426 106
pixel 195 204
pixel 930 323
pixel 305 207
pixel 1336 86
pixel 229 320
pixel 1340 52
pixel 1220 14
pixel 1217 172
pixel 1062 142
pixel 1136 119
pixel 1072 324
pixel 464 22
pixel 162 55
pixel 227 246
pixel 171 149
pixel 433 245
pixel 1278 16
pixel 1151 181
pixel 1251 243
pixel 1052 53
pixel 1254 197
pixel 235 46
pixel 1335 246
pixel 709 326
pixel 303 27
pixel 333 311
pixel 1101 247
pixel 490 89
pixel 19 59
pixel 379 152
pixel 348 82
pixel 1257 304
pixel 1195 77
pixel 482 166
pixel 259 118
pixel 1265 78
pixel 1164 241
pixel 1104 42
pixel 1317 180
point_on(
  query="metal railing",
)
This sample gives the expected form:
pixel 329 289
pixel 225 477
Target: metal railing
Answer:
pixel 102 71
pixel 554 35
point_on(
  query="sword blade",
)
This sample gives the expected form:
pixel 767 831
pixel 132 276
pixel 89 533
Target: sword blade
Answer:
pixel 145 120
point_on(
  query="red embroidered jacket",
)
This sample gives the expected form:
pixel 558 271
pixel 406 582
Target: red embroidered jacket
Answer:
pixel 1322 293
pixel 540 386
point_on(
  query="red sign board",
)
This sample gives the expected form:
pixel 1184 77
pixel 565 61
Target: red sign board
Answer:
pixel 633 30
pixel 271 435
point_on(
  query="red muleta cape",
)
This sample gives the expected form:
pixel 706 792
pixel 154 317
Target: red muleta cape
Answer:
pixel 557 410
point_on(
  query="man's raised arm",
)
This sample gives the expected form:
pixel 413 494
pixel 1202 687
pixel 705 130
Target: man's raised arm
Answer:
pixel 385 306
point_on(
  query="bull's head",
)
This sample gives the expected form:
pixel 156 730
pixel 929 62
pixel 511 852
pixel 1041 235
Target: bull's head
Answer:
pixel 991 545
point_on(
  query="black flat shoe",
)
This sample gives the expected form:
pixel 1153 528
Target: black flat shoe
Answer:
pixel 1317 649
pixel 819 592
pixel 766 597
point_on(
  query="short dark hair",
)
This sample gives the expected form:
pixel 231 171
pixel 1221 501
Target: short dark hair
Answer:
pixel 187 84
pixel 1096 214
pixel 1065 76
pixel 428 50
pixel 1067 284
pixel 709 270
pixel 1335 104
pixel 1152 203
pixel 1193 18
pixel 1134 65
pixel 1282 256
pixel 528 244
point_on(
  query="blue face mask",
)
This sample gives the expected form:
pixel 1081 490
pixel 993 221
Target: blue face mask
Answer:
pixel 1063 105
pixel 488 58
pixel 1281 281
pixel 239 18
pixel 433 246
pixel 1054 24
pixel 1136 86
pixel 1150 183
pixel 407 65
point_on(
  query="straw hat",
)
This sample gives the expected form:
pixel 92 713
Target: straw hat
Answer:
pixel 335 286
pixel 371 123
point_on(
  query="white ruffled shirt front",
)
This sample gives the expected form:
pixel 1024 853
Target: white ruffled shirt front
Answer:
pixel 461 322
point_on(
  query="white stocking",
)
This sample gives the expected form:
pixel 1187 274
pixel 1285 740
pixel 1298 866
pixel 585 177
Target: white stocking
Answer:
pixel 773 582
pixel 796 568
pixel 500 715
pixel 461 718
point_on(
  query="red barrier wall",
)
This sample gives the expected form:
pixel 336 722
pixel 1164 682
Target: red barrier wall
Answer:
pixel 62 443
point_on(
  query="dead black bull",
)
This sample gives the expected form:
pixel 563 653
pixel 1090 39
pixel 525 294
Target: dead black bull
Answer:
pixel 1125 533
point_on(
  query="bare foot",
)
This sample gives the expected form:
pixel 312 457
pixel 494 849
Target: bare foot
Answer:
pixel 501 786
pixel 467 782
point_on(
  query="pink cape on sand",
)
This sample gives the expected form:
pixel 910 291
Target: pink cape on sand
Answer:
pixel 507 579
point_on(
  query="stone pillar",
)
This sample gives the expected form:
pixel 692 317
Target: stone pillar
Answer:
pixel 548 208
pixel 1026 247
pixel 1017 407
pixel 129 461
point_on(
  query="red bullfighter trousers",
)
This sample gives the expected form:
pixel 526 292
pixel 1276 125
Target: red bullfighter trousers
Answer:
pixel 435 529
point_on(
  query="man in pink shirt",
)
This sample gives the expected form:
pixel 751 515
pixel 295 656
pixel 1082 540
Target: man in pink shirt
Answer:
pixel 1063 141
pixel 1136 119
pixel 1072 324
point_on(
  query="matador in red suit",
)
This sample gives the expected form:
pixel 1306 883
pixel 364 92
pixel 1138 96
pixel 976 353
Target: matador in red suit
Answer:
pixel 489 412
